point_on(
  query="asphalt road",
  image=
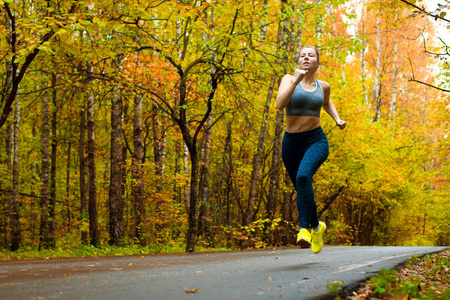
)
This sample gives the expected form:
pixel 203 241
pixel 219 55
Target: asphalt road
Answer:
pixel 288 273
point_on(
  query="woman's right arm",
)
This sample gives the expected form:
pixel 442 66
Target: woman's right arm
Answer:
pixel 287 87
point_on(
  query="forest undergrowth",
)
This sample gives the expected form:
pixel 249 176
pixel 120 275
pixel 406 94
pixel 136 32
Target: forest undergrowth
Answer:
pixel 419 278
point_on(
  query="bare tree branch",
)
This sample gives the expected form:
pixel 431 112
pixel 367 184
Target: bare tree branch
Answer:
pixel 430 85
pixel 422 10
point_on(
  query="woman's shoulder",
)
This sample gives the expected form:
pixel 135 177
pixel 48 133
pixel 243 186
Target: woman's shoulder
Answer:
pixel 288 76
pixel 324 85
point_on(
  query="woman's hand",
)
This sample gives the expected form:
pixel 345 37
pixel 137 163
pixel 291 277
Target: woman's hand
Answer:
pixel 341 124
pixel 299 74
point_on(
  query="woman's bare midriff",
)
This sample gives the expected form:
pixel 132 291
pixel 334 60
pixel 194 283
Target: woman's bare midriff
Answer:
pixel 301 123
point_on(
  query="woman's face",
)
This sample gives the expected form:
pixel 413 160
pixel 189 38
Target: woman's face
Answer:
pixel 308 59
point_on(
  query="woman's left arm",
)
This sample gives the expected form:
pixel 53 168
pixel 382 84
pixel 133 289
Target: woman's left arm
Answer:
pixel 329 107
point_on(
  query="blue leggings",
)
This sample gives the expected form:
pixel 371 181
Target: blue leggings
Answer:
pixel 302 154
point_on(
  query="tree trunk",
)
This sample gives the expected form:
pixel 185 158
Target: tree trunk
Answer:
pixel 116 230
pixel 92 179
pixel 228 170
pixel 9 144
pixel 392 107
pixel 14 217
pixel 52 204
pixel 377 81
pixel 82 166
pixel 193 208
pixel 257 161
pixel 204 180
pixel 159 149
pixel 187 201
pixel 344 82
pixel 206 144
pixel 276 166
pixel 287 210
pixel 191 143
pixel 363 60
pixel 45 168
pixel 137 172
pixel 67 204
pixel 274 177
pixel 123 163
pixel 176 187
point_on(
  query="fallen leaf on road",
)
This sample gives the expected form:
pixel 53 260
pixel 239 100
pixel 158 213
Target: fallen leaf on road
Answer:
pixel 39 298
pixel 267 288
pixel 130 264
pixel 275 257
pixel 305 278
pixel 191 291
pixel 8 284
pixel 269 278
pixel 67 274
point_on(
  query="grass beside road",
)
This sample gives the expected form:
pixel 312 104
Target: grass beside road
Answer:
pixel 91 251
pixel 425 277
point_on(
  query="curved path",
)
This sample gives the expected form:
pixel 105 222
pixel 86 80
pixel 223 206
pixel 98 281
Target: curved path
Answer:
pixel 288 273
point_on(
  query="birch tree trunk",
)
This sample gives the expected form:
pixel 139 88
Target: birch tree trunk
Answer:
pixel 377 80
pixel 185 155
pixel 362 54
pixel 392 107
pixel 14 216
pixel 92 181
pixel 116 230
pixel 344 81
pixel 45 169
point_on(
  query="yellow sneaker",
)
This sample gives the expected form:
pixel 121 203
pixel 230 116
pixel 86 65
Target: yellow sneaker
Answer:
pixel 317 238
pixel 304 238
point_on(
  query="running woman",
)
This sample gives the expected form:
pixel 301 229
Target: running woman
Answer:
pixel 305 145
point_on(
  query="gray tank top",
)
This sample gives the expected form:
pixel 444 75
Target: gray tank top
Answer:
pixel 305 103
